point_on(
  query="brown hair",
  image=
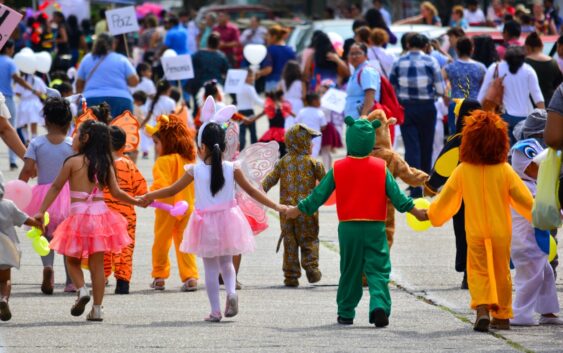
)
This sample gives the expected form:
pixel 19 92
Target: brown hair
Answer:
pixel 484 139
pixel 379 37
pixel 458 10
pixel 277 32
pixel 175 137
pixel 363 33
pixel 430 7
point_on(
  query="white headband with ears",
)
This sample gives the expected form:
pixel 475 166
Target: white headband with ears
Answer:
pixel 208 115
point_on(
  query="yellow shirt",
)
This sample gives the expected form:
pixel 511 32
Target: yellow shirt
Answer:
pixel 166 171
pixel 488 192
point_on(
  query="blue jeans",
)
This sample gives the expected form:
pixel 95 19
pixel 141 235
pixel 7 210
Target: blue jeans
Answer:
pixel 512 121
pixel 243 127
pixel 117 104
pixel 271 86
pixel 418 136
pixel 12 108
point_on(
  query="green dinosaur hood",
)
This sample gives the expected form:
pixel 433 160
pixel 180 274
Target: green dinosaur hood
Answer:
pixel 360 136
pixel 298 139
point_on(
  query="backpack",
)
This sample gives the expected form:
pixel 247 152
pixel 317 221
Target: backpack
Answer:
pixel 388 101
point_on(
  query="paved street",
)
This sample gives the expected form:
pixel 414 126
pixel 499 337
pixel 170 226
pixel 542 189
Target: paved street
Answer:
pixel 430 313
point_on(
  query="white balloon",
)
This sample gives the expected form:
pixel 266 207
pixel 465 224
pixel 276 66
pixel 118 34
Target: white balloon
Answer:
pixel 26 62
pixel 168 53
pixel 255 53
pixel 43 62
pixel 26 50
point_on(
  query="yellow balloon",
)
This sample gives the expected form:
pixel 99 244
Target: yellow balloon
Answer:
pixel 414 223
pixel 41 246
pixel 552 248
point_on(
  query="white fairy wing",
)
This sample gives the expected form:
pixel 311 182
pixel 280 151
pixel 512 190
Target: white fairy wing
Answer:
pixel 258 160
pixel 232 142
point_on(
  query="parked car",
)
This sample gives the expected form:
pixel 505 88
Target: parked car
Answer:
pixel 237 12
pixel 301 35
pixel 431 32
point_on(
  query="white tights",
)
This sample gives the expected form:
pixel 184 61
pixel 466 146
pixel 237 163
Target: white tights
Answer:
pixel 213 266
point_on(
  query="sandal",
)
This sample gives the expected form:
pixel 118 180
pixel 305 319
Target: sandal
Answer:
pixel 213 317
pixel 190 285
pixel 158 284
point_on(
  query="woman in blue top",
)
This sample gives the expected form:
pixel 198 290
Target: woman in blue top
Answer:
pixel 464 76
pixel 278 55
pixel 364 86
pixel 105 76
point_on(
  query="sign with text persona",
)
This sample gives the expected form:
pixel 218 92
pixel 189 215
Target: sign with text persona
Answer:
pixel 122 20
pixel 9 20
pixel 178 67
pixel 235 80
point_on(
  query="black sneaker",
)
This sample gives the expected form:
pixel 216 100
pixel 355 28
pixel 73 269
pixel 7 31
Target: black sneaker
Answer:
pixel 379 318
pixel 344 321
pixel 5 314
pixel 13 166
pixel 121 287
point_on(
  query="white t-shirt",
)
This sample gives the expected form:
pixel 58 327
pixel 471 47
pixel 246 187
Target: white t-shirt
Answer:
pixel 146 86
pixel 313 118
pixel 474 17
pixel 164 105
pixel 293 94
pixel 247 98
pixel 517 88
pixel 381 56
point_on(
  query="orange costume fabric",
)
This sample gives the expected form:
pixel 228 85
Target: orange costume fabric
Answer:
pixel 166 171
pixel 489 187
pixel 132 182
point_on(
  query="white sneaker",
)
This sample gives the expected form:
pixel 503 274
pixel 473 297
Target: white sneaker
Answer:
pixel 81 301
pixel 231 308
pixel 550 320
pixel 96 314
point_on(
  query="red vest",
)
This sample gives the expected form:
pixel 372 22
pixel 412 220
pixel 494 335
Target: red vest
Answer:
pixel 360 189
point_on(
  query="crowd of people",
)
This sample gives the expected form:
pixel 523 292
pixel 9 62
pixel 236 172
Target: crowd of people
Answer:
pixel 489 98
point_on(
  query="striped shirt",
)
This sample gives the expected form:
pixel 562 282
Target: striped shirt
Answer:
pixel 417 76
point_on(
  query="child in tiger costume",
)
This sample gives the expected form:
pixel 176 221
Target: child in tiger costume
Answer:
pixel 131 181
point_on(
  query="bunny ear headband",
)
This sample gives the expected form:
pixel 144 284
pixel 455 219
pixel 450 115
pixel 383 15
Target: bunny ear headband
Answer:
pixel 208 115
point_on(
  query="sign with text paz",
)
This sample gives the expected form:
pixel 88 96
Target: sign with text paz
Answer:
pixel 9 20
pixel 235 80
pixel 178 67
pixel 334 100
pixel 122 20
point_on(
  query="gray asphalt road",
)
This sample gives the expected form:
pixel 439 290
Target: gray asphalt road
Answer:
pixel 430 313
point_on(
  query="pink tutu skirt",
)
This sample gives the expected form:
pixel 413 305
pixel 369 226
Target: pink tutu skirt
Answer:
pixel 221 230
pixel 331 137
pixel 59 209
pixel 91 227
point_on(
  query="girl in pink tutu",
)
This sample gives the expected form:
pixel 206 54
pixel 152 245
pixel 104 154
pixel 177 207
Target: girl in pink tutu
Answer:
pixel 91 229
pixel 217 229
pixel 46 155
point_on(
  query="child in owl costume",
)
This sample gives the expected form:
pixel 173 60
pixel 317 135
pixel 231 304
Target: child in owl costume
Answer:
pixel 361 181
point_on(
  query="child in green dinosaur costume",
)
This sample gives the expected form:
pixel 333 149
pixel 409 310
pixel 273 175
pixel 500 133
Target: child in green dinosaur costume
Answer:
pixel 361 183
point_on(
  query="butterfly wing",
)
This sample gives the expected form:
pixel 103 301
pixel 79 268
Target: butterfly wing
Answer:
pixel 131 126
pixel 87 115
pixel 257 161
pixel 232 142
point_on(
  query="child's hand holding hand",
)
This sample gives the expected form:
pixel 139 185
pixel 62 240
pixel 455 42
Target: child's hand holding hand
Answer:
pixel 292 212
pixel 37 221
pixel 143 201
pixel 421 215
